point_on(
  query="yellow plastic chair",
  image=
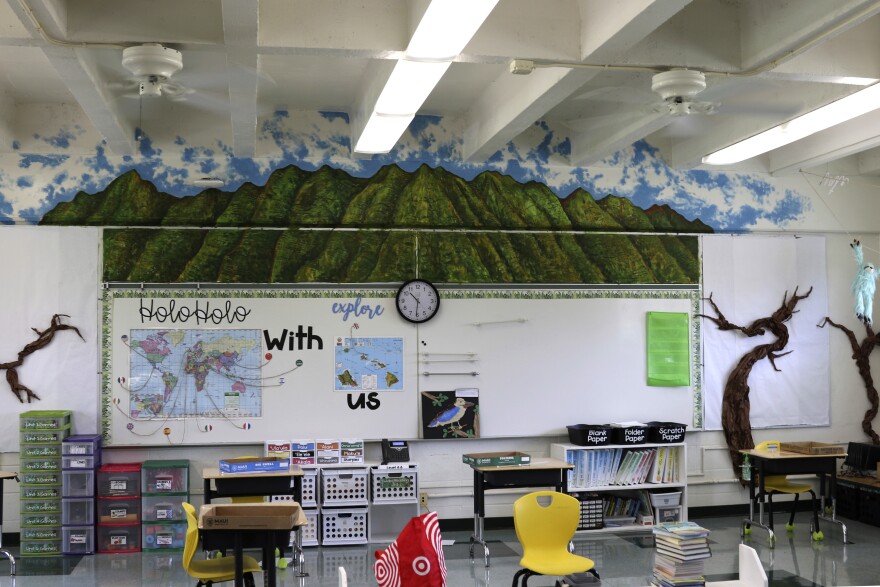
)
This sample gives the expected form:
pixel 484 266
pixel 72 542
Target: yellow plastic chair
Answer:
pixel 779 484
pixel 208 572
pixel 544 532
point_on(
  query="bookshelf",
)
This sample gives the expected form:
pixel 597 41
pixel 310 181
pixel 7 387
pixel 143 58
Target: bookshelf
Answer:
pixel 623 471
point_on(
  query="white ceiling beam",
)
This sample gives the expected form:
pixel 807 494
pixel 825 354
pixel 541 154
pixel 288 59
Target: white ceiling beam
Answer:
pixel 511 105
pixel 79 75
pixel 851 137
pixel 241 24
pixel 772 29
pixel 868 162
pixel 592 146
pixel 89 90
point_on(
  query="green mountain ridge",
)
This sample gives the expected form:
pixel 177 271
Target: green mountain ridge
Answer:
pixel 516 233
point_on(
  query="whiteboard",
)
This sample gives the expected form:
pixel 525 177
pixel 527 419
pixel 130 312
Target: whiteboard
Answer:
pixel 540 358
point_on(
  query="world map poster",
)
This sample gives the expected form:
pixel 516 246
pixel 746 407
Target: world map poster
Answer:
pixel 195 373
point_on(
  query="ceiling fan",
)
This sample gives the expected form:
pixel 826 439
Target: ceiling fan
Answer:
pixel 678 88
pixel 152 66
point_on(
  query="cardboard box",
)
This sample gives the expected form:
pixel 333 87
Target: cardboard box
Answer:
pixel 496 459
pixel 251 516
pixel 255 465
pixel 814 448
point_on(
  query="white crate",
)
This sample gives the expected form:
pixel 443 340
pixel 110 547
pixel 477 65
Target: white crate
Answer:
pixel 344 526
pixel 395 485
pixel 344 487
pixel 310 530
pixel 309 488
pixel 387 520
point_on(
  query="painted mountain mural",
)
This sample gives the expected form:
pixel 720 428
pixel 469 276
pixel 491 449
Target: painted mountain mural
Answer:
pixel 329 226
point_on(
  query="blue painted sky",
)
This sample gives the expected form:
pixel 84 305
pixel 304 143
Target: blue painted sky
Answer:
pixel 31 183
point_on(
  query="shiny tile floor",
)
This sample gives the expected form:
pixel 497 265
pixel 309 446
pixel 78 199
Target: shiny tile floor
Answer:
pixel 622 560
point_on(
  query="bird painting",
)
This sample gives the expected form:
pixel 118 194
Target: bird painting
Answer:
pixel 451 415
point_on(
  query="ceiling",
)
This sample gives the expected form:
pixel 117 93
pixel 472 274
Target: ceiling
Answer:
pixel 766 61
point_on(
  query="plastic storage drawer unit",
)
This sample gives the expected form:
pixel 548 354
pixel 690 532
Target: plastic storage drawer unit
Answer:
pixel 79 462
pixel 44 420
pixel 119 538
pixel 119 480
pixel 43 436
pixel 82 444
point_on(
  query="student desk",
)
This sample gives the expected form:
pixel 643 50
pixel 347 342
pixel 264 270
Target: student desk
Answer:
pixel 289 482
pixel 790 463
pixel 4 475
pixel 541 472
pixel 264 538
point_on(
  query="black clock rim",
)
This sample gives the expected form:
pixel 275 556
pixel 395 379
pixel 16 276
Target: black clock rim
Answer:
pixel 400 291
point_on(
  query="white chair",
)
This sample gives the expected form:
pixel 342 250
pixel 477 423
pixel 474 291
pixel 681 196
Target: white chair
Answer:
pixel 343 578
pixel 751 573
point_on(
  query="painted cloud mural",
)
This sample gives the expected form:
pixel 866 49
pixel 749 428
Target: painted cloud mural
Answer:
pixel 31 184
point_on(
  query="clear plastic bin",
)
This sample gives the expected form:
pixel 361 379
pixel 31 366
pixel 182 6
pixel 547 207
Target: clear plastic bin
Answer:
pixel 82 444
pixel 49 478
pixel 40 451
pixel 78 483
pixel 163 508
pixel 80 462
pixel 119 480
pixel 44 420
pixel 78 539
pixel 119 538
pixel 40 533
pixel 158 536
pixel 40 465
pixel 32 520
pixel 43 436
pixel 40 506
pixel 165 476
pixel 119 510
pixel 39 547
pixel 78 511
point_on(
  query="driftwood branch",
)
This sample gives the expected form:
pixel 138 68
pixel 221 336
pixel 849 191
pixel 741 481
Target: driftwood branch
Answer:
pixel 735 406
pixel 861 355
pixel 44 337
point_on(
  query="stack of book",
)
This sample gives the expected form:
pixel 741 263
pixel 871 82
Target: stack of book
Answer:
pixel 681 550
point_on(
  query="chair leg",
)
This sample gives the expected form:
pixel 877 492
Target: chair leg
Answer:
pixel 516 577
pixel 770 510
pixel 528 574
pixel 817 533
pixel 595 574
pixel 790 525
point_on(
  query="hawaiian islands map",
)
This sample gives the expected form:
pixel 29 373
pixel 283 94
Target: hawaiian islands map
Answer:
pixel 195 373
pixel 369 364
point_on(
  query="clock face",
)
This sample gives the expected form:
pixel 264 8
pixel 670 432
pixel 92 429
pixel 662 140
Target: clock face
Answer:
pixel 418 300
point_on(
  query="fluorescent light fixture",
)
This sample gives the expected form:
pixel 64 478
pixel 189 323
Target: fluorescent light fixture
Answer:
pixel 381 133
pixel 447 27
pixel 443 32
pixel 832 114
pixel 409 86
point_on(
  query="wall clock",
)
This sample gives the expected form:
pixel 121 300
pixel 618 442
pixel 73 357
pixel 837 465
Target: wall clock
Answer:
pixel 418 300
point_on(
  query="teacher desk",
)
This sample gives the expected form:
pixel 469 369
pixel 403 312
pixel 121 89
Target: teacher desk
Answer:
pixel 540 472
pixel 784 462
pixel 288 482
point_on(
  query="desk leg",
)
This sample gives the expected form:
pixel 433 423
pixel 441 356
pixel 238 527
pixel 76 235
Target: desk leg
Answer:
pixel 269 559
pixel 833 491
pixel 299 557
pixel 479 515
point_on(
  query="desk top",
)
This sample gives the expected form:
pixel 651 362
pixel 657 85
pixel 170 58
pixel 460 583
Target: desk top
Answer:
pixel 8 474
pixel 785 454
pixel 214 473
pixel 537 463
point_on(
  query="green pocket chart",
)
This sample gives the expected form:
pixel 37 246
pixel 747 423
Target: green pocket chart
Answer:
pixel 668 349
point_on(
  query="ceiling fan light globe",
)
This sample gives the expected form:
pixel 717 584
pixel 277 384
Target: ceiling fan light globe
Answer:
pixel 678 83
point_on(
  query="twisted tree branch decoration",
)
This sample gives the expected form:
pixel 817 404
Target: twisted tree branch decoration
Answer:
pixel 735 403
pixel 44 337
pixel 861 355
